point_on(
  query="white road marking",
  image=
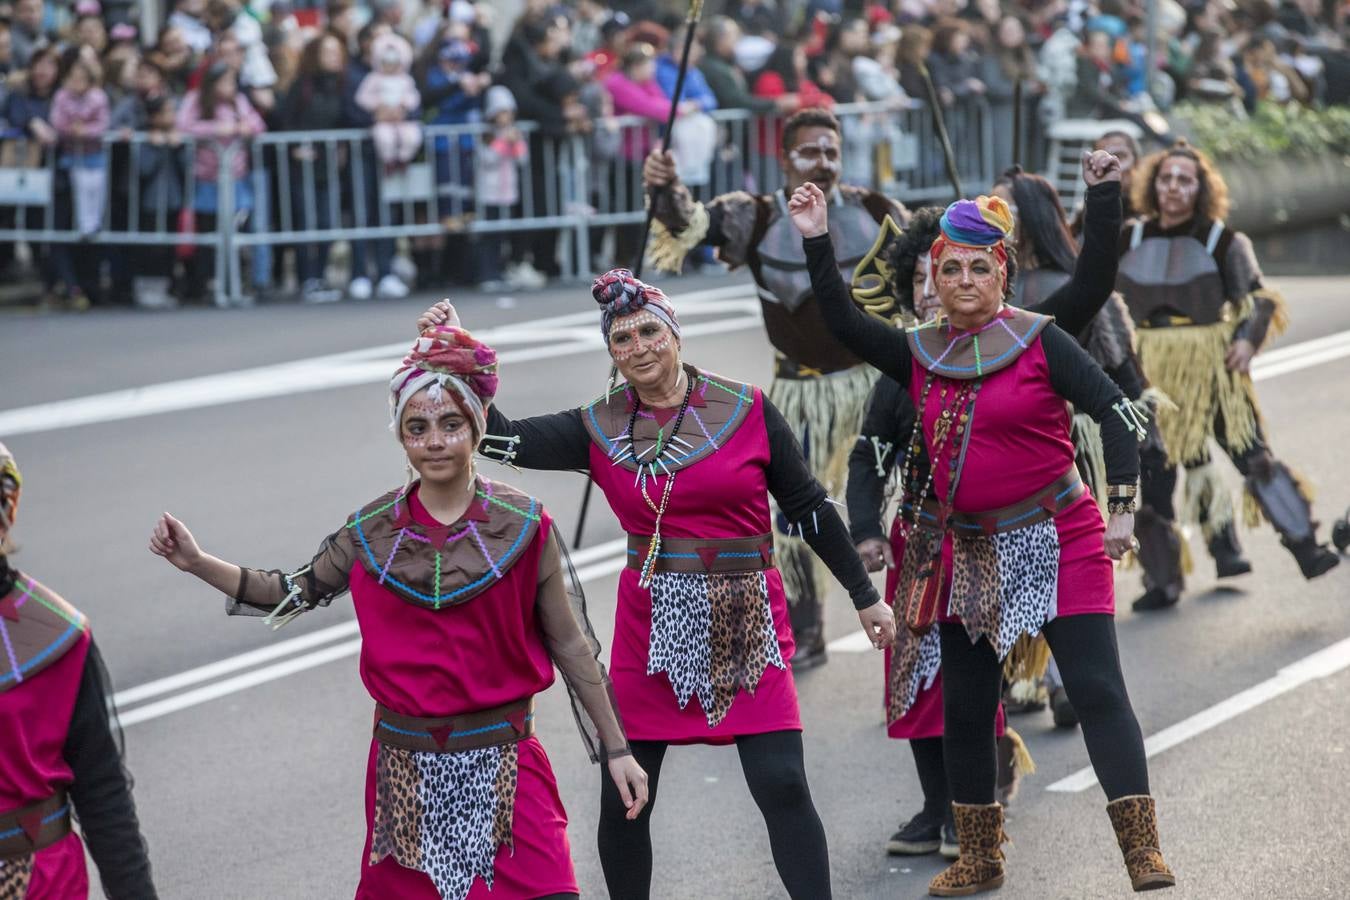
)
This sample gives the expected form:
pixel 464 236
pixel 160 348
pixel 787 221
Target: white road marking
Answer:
pixel 853 642
pixel 1321 664
pixel 367 366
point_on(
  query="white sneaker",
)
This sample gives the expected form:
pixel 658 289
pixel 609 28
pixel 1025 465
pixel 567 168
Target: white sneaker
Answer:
pixel 524 275
pixel 391 288
pixel 405 269
pixel 360 288
pixel 315 291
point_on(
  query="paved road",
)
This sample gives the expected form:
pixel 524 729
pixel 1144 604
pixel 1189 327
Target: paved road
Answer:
pixel 249 775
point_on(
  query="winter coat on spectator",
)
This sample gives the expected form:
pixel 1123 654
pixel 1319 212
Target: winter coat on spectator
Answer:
pixel 757 18
pixel 729 87
pixel 22 107
pixel 353 116
pixel 771 85
pixel 953 72
pixel 89 112
pixel 195 31
pixel 314 103
pixel 161 169
pixel 1059 71
pixel 874 81
pixel 1098 88
pixel 539 86
pixel 22 44
pixel 695 85
pixel 634 99
pixel 446 101
pixel 206 165
pixel 498 171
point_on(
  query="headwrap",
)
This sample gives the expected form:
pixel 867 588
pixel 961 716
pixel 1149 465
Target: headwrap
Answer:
pixel 11 486
pixel 983 223
pixel 447 356
pixel 621 293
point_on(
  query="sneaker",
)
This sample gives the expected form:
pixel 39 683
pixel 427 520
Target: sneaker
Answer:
pixel 405 269
pixel 315 291
pixel 391 288
pixel 1061 709
pixel 524 275
pixel 920 835
pixel 360 288
pixel 951 847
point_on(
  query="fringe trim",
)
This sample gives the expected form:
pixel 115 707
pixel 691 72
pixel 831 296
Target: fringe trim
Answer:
pixel 1279 316
pixel 1029 659
pixel 1087 441
pixel 666 251
pixel 1207 501
pixel 1022 763
pixel 1187 364
pixel 1253 515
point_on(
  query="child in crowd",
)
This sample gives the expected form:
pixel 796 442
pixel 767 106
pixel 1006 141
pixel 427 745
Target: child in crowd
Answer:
pixel 161 168
pixel 501 153
pixel 390 95
pixel 80 115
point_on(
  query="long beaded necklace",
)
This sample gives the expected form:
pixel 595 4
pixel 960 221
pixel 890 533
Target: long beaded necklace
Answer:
pixel 953 419
pixel 654 548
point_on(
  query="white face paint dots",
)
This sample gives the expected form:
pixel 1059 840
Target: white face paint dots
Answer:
pixel 430 423
pixel 637 333
pixel 822 154
pixel 959 264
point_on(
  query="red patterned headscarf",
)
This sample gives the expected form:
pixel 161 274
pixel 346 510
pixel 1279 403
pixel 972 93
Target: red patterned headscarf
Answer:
pixel 622 293
pixel 447 356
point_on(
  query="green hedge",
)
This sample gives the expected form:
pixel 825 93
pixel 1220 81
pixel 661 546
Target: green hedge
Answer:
pixel 1273 131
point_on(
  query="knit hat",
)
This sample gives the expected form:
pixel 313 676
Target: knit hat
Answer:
pixel 620 293
pixel 498 99
pixel 983 223
pixel 447 356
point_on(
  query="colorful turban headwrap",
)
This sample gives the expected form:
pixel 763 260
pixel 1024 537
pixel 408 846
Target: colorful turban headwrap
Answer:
pixel 447 357
pixel 983 223
pixel 619 292
pixel 11 486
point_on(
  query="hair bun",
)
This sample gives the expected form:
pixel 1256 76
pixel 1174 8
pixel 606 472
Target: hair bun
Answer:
pixel 617 289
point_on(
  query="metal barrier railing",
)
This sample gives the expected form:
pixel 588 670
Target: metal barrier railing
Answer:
pixel 307 188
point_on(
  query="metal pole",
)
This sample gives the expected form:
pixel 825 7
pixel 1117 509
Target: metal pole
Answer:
pixel 1150 45
pixel 940 126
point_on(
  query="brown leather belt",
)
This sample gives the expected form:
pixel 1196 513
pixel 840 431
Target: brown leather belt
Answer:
pixel 454 734
pixel 1044 504
pixel 29 829
pixel 705 557
pixel 790 370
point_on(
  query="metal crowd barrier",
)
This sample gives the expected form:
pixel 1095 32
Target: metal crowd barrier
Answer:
pixel 312 187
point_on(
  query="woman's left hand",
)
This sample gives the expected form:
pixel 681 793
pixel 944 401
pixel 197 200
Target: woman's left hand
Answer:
pixel 1119 535
pixel 879 622
pixel 440 313
pixel 809 211
pixel 1100 166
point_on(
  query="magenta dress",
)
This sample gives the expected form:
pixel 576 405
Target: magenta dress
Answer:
pixel 44 646
pixel 702 640
pixel 468 640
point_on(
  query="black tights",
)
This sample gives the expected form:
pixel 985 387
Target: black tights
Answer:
pixel 1085 649
pixel 776 775
pixel 932 774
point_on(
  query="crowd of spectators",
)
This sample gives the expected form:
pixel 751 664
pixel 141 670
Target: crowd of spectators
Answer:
pixel 219 72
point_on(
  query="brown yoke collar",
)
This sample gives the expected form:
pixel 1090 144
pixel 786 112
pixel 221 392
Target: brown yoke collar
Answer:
pixel 446 565
pixel 37 627
pixel 967 355
pixel 717 407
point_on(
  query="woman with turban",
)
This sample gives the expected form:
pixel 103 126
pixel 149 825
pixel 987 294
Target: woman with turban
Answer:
pixel 62 756
pixel 702 640
pixel 1029 552
pixel 460 798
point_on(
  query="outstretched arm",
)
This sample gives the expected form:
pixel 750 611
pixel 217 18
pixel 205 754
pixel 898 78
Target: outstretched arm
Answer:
pixel 869 338
pixel 1094 274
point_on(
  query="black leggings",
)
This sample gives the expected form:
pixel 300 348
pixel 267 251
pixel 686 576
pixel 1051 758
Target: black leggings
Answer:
pixel 932 774
pixel 776 775
pixel 1085 649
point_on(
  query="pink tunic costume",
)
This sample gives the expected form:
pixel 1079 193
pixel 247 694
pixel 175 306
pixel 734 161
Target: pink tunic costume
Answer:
pixel 1013 538
pixel 45 641
pixel 460 798
pixel 702 640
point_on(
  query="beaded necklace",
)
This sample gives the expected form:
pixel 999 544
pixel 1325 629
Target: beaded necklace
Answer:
pixel 654 548
pixel 954 419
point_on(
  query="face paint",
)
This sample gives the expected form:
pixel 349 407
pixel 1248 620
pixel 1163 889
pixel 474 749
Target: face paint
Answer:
pixel 822 154
pixel 1178 180
pixel 429 423
pixel 638 333
pixel 926 303
pixel 961 264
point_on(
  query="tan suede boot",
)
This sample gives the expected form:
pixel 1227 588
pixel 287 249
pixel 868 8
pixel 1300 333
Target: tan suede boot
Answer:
pixel 979 830
pixel 1135 820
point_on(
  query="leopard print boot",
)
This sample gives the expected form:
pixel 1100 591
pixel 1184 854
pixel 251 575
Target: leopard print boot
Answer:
pixel 979 830
pixel 1135 820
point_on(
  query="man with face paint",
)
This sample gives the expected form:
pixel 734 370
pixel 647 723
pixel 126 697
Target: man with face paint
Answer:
pixel 819 386
pixel 1202 311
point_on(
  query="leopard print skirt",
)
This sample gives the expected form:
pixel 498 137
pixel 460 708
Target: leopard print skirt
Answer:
pixel 915 663
pixel 1006 585
pixel 15 874
pixel 712 636
pixel 444 814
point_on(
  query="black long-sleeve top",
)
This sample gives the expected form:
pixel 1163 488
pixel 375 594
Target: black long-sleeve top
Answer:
pixel 101 792
pixel 559 441
pixel 886 428
pixel 1074 375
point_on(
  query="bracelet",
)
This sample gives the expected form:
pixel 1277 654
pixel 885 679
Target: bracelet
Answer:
pixel 1121 491
pixel 619 753
pixel 1120 507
